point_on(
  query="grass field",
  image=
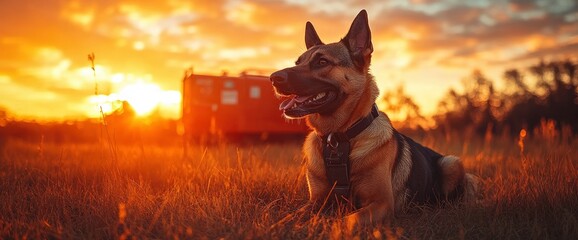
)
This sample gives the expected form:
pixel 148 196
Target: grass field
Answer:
pixel 223 191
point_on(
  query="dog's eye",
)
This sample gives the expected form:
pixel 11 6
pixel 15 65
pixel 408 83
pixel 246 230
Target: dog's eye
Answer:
pixel 323 61
pixel 297 62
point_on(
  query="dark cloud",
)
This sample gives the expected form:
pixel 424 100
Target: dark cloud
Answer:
pixel 390 19
pixel 461 31
pixel 460 15
pixel 522 5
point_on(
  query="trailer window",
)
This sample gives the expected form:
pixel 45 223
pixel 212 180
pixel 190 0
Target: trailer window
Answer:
pixel 229 97
pixel 205 86
pixel 255 92
pixel 229 84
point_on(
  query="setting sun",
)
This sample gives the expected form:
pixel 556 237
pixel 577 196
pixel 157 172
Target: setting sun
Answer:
pixel 147 97
pixel 143 97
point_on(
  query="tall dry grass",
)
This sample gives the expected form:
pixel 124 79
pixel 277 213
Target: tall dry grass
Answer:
pixel 224 191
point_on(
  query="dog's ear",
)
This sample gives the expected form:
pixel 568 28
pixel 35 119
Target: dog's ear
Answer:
pixel 311 37
pixel 358 40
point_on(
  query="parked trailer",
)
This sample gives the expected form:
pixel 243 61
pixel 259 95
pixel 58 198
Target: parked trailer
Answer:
pixel 227 106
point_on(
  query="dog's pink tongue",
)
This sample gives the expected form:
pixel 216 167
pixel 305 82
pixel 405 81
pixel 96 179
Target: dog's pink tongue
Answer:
pixel 287 103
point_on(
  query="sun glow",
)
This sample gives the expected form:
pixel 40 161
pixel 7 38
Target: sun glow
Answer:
pixel 143 97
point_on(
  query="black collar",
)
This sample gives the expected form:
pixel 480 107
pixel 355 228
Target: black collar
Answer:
pixel 358 126
pixel 363 123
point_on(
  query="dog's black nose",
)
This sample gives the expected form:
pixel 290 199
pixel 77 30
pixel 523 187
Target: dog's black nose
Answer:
pixel 279 77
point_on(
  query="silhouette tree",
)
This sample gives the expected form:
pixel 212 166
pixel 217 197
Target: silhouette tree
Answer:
pixel 475 108
pixel 554 97
pixel 569 68
pixel 539 71
pixel 398 103
pixel 124 113
pixel 515 83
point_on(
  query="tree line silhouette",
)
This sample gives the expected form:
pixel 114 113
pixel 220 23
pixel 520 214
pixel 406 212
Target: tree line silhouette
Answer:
pixel 543 92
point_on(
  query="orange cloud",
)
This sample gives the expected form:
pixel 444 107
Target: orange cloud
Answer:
pixel 422 44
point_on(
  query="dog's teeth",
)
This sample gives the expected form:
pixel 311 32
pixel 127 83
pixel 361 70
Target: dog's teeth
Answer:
pixel 319 96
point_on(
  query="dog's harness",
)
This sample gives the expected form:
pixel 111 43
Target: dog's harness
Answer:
pixel 336 149
pixel 422 182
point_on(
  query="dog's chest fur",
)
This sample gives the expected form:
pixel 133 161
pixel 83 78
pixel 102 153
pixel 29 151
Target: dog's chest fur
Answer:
pixel 375 156
pixel 372 159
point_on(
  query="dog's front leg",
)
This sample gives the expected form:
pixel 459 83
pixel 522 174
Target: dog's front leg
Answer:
pixel 377 205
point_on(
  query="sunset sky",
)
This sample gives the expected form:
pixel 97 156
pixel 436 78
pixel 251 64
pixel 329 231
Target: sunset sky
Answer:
pixel 142 48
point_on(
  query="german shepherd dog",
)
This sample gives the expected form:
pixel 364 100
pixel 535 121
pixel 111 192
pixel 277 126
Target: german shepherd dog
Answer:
pixel 331 87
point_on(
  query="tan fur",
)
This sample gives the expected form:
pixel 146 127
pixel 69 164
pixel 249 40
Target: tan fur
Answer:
pixel 372 155
pixel 376 180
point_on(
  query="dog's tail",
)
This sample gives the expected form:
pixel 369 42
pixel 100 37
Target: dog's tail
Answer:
pixel 455 181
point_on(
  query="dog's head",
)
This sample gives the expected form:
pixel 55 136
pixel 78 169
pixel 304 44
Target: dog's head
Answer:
pixel 327 78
